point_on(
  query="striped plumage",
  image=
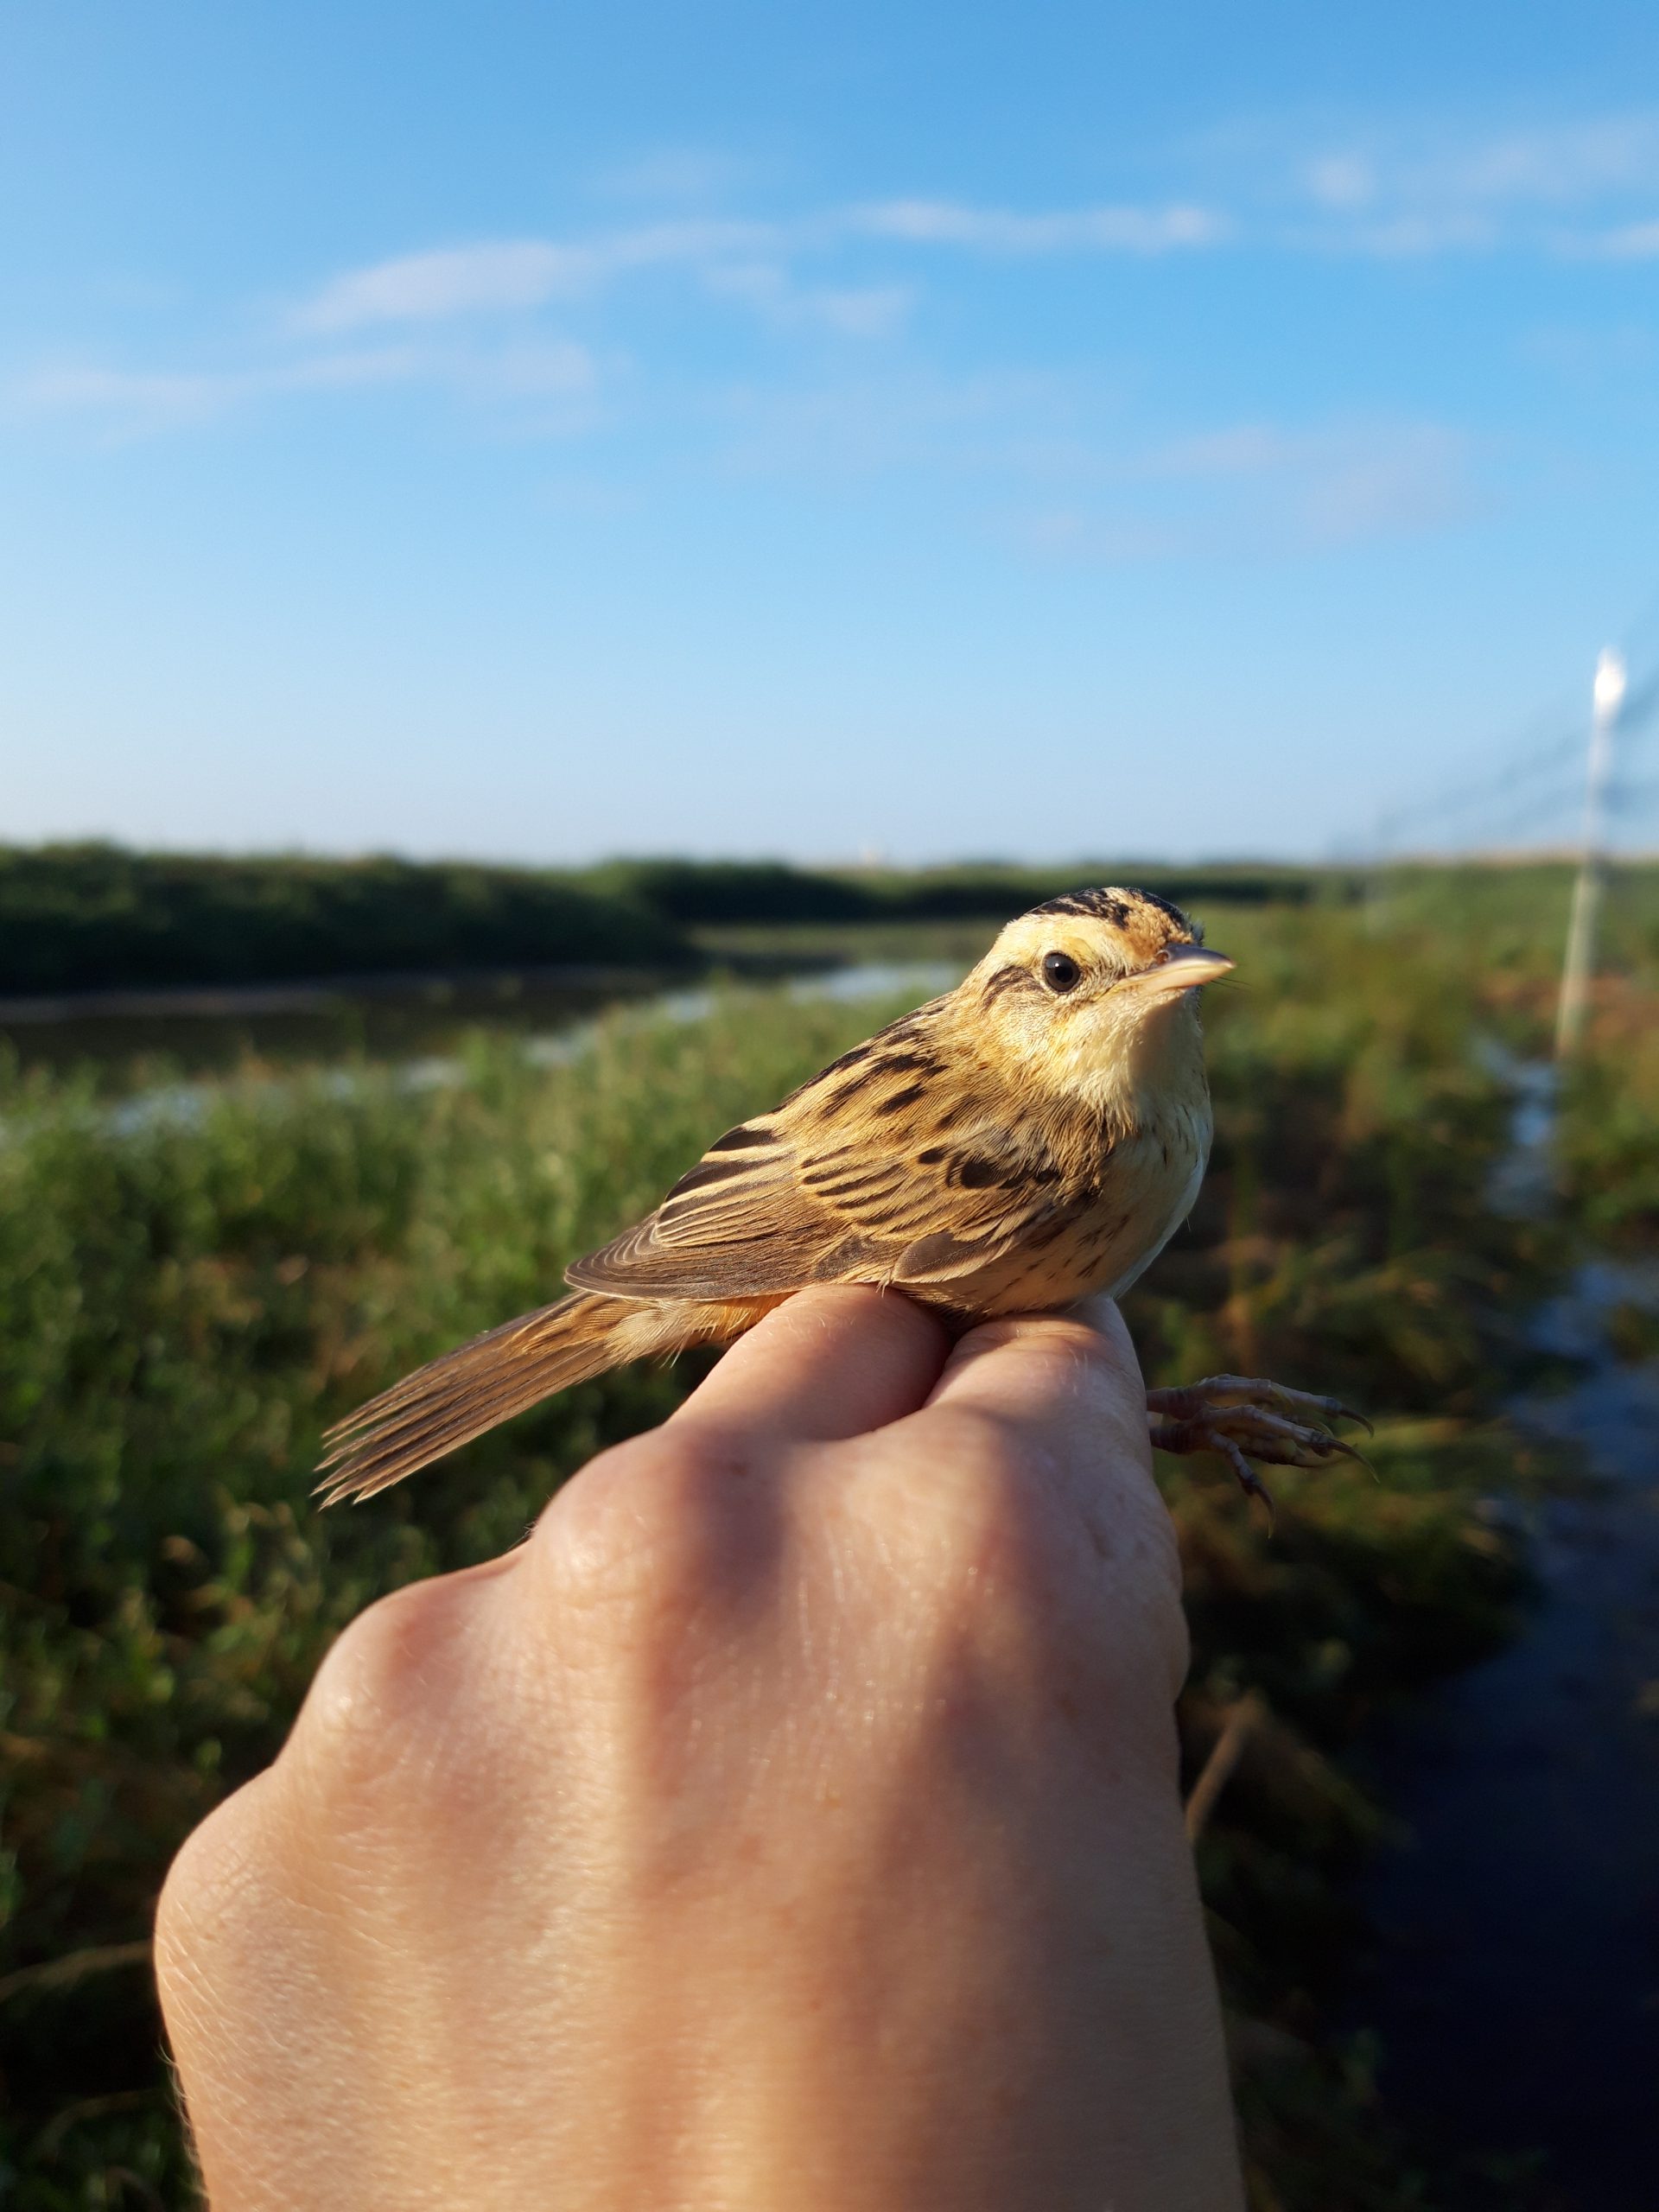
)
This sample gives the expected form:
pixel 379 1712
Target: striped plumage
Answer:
pixel 1033 1136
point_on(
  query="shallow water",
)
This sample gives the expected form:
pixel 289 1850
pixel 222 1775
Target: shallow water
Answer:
pixel 398 1020
pixel 565 1031
pixel 1515 1975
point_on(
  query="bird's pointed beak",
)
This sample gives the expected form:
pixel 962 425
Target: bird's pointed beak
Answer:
pixel 1181 968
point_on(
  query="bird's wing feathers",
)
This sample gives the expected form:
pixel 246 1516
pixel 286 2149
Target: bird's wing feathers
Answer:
pixel 882 1169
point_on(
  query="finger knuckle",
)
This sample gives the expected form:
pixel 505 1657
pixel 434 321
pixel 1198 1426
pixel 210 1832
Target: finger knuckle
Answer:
pixel 209 1887
pixel 375 1690
pixel 660 1520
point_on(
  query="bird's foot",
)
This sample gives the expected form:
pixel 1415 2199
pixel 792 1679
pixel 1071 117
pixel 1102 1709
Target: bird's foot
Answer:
pixel 1243 1418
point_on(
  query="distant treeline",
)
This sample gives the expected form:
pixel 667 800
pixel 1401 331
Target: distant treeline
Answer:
pixel 707 892
pixel 100 918
pixel 95 917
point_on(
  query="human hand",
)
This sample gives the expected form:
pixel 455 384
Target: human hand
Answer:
pixel 791 1822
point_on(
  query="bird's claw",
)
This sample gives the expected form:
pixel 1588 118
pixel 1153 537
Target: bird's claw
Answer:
pixel 1220 1392
pixel 1243 1418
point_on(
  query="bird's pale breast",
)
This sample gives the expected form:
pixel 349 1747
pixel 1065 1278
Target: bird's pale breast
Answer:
pixel 1147 1182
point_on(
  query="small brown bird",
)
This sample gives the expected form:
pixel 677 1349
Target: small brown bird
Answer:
pixel 1036 1135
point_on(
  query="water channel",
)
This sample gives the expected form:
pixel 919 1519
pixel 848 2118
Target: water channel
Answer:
pixel 1515 1976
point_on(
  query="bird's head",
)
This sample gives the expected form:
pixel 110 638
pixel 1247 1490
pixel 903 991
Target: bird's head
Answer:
pixel 1095 988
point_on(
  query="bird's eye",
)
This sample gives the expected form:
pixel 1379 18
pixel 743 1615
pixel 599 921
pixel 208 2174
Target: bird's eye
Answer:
pixel 1060 972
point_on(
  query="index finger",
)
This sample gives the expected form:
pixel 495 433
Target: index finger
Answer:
pixel 829 1362
pixel 1071 1381
pixel 1066 1392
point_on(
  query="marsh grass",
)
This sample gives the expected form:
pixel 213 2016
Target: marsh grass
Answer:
pixel 186 1302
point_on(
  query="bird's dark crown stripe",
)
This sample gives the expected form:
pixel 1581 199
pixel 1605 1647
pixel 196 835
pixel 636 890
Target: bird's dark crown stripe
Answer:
pixel 1101 904
pixel 1174 914
pixel 1107 906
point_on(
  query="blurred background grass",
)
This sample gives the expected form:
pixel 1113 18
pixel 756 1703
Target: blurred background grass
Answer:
pixel 195 1279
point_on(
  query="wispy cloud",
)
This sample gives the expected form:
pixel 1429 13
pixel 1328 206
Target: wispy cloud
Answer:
pixel 135 402
pixel 851 311
pixel 1441 187
pixel 1628 241
pixel 841 293
pixel 493 276
pixel 1260 488
pixel 1330 484
pixel 1563 164
pixel 1078 230
pixel 1062 457
pixel 911 419
pixel 431 287
pixel 809 273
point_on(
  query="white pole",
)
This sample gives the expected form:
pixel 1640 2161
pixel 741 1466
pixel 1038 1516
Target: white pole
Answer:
pixel 1609 697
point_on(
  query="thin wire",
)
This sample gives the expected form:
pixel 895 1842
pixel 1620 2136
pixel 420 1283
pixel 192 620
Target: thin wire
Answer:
pixel 1473 792
pixel 1486 805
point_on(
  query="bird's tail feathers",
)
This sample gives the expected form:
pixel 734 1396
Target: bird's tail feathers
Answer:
pixel 480 1384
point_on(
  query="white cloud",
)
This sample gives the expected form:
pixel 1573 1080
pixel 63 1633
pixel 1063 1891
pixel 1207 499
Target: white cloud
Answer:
pixel 136 403
pixel 1080 230
pixel 1629 242
pixel 1069 534
pixel 1244 449
pixel 1342 180
pixel 498 320
pixel 1342 479
pixel 902 417
pixel 1437 187
pixel 691 241
pixel 1559 165
pixel 552 369
pixel 870 311
pixel 161 398
pixel 500 277
pixel 1393 481
pixel 496 277
pixel 1257 489
pixel 1434 230
pixel 860 311
pixel 452 281
pixel 1593 352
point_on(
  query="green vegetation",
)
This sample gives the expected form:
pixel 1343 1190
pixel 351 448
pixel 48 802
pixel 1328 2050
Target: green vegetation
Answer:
pixel 75 918
pixel 79 918
pixel 1610 1121
pixel 713 892
pixel 187 1297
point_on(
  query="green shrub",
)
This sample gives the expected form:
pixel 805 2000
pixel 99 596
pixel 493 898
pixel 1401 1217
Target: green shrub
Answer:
pixel 97 918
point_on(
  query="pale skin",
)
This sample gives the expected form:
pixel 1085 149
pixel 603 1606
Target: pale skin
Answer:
pixel 791 1821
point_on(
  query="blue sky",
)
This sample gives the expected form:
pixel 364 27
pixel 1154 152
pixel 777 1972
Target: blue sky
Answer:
pixel 543 432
